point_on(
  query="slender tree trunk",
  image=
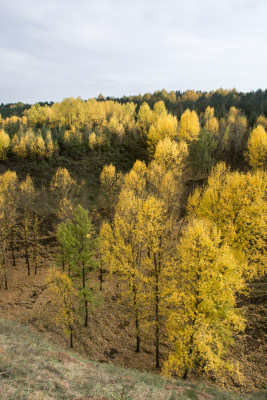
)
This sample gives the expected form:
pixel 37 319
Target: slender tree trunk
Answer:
pixel 136 320
pixel 4 258
pixel 180 228
pixel 71 337
pixel 157 312
pixel 26 248
pixel 13 248
pixel 85 299
pixel 185 374
pixel 35 250
pixel 63 258
pixel 191 342
pixel 101 275
pixel 5 271
pixel 35 261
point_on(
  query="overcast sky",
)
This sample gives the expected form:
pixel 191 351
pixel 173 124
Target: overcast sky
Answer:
pixel 52 49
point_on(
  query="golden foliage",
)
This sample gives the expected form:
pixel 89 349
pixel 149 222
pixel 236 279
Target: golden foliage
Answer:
pixel 203 280
pixel 236 202
pixel 164 126
pixel 171 155
pixel 63 295
pixel 63 187
pixel 4 144
pixel 257 148
pixel 189 126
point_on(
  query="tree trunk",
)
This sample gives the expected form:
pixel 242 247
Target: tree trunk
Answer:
pixel 63 261
pixel 4 259
pixel 157 312
pixel 101 276
pixel 136 320
pixel 85 299
pixel 12 248
pixel 26 249
pixel 71 337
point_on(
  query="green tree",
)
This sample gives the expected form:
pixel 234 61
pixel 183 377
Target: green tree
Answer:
pixel 79 244
pixel 201 153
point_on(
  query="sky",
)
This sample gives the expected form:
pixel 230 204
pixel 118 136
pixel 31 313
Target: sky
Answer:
pixel 53 49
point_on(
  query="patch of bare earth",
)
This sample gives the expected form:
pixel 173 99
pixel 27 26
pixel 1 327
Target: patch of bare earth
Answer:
pixel 109 337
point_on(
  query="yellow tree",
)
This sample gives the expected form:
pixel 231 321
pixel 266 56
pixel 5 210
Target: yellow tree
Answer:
pixel 261 120
pixel 27 199
pixel 171 155
pixel 145 118
pixel 63 296
pixel 4 144
pixel 164 126
pixel 155 226
pixel 136 179
pixel 121 247
pixel 110 181
pixel 236 203
pixel 210 122
pixel 49 145
pixel 189 126
pixel 63 188
pixel 203 279
pixel 257 148
pixel 9 192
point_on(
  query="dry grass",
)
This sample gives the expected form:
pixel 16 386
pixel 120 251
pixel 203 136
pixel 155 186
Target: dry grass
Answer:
pixel 110 338
pixel 31 368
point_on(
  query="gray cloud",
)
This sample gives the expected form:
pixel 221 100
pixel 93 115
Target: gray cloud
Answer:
pixel 59 48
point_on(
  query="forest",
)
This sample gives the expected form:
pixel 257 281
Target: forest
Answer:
pixel 173 207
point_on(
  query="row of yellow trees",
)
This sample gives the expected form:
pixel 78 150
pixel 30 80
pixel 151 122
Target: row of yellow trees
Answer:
pixel 94 123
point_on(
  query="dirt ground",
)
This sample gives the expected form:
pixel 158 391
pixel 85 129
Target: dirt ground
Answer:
pixel 110 337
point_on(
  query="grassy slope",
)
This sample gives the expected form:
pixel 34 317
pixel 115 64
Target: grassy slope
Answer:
pixel 30 368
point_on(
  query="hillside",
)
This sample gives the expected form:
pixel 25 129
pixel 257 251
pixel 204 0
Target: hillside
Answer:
pixel 110 338
pixel 31 369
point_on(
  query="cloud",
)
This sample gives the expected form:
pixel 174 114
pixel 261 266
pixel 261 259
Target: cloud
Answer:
pixel 55 49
